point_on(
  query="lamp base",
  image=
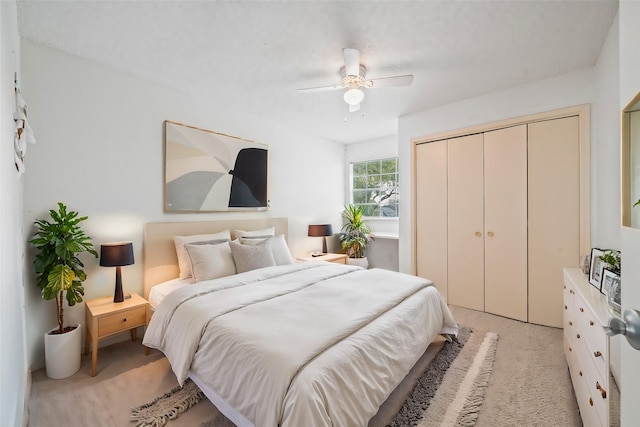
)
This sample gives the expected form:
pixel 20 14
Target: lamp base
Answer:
pixel 324 245
pixel 118 295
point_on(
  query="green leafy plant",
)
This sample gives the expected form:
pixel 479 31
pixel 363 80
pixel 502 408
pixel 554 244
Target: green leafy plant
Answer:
pixel 612 257
pixel 58 269
pixel 356 234
pixel 636 203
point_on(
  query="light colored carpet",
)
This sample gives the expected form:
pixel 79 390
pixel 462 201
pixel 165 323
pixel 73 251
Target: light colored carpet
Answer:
pixel 529 385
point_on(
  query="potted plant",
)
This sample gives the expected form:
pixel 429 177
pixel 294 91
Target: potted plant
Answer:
pixel 59 275
pixel 612 258
pixel 356 235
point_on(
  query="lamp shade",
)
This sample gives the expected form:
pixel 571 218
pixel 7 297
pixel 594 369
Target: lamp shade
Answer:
pixel 320 230
pixel 116 254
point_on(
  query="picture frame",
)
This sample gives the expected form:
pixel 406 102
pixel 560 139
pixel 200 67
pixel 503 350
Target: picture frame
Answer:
pixel 608 277
pixel 596 267
pixel 207 171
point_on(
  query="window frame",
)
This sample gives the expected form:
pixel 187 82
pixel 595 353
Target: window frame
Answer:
pixel 368 189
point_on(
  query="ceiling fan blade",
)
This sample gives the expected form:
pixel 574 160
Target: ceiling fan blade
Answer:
pixel 353 108
pixel 390 81
pixel 320 89
pixel 351 61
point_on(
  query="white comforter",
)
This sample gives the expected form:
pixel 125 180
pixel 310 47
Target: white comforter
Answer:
pixel 312 344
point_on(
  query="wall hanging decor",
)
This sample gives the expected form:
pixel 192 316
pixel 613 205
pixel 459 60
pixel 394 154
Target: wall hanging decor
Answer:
pixel 206 171
pixel 23 132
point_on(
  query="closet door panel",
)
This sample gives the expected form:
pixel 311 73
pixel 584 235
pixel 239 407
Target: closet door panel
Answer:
pixel 505 207
pixel 554 214
pixel 431 213
pixel 465 227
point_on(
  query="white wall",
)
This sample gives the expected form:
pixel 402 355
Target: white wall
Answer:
pixel 562 91
pixel 13 365
pixel 605 159
pixel 100 151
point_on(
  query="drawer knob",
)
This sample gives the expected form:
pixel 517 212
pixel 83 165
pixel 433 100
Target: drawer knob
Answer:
pixel 603 392
pixel 591 322
pixel 597 354
pixel 565 307
pixel 570 323
pixel 591 401
pixel 124 320
pixel 578 335
pixel 572 292
pixel 580 373
pixel 581 310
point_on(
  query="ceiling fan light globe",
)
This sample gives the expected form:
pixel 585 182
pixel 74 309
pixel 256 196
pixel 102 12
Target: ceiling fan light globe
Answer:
pixel 353 96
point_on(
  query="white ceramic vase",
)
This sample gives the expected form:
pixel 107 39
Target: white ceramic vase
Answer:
pixel 360 262
pixel 62 353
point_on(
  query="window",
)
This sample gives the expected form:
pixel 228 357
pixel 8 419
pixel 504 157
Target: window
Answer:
pixel 374 186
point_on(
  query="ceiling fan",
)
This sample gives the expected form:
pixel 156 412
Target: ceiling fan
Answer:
pixel 353 79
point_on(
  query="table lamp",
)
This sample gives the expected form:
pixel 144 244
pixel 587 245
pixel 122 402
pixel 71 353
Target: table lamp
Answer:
pixel 117 255
pixel 321 230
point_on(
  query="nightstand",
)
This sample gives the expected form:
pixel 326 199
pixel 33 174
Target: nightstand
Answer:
pixel 337 258
pixel 105 318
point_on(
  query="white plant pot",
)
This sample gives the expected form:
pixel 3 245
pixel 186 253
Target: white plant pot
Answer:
pixel 360 262
pixel 62 353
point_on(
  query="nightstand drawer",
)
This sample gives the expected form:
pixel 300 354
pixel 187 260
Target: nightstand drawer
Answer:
pixel 122 321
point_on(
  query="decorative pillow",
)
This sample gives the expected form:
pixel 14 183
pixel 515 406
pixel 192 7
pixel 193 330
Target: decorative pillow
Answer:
pixel 251 257
pixel 184 264
pixel 271 231
pixel 252 240
pixel 210 261
pixel 280 250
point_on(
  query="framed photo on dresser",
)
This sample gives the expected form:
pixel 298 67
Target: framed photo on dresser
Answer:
pixel 596 268
pixel 608 277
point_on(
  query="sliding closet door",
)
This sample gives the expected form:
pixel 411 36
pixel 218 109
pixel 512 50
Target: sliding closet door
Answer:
pixel 505 219
pixel 431 213
pixel 465 228
pixel 554 214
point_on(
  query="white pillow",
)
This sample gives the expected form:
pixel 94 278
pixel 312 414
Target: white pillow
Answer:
pixel 210 261
pixel 280 250
pixel 252 240
pixel 265 232
pixel 251 257
pixel 184 264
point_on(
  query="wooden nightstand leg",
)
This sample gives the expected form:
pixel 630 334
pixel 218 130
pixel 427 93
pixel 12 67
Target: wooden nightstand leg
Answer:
pixel 94 355
pixel 134 334
pixel 146 350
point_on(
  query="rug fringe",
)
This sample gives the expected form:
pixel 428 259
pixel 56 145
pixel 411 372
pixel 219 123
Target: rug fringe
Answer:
pixel 168 406
pixel 469 413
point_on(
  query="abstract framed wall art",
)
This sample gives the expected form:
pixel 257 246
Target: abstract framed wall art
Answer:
pixel 206 171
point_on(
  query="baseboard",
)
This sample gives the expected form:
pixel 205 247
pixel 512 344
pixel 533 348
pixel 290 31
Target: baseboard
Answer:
pixel 27 396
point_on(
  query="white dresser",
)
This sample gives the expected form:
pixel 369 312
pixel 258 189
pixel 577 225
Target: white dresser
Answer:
pixel 587 347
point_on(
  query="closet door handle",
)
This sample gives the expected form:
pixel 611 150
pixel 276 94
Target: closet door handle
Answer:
pixel 478 234
pixel 490 233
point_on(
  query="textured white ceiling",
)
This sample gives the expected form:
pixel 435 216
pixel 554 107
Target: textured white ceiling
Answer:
pixel 253 56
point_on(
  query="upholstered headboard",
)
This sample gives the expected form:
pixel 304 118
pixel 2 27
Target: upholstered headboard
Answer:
pixel 159 252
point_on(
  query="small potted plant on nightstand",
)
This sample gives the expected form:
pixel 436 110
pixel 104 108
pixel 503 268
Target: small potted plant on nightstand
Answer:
pixel 356 235
pixel 59 275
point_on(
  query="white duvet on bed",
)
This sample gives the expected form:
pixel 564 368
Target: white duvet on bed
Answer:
pixel 300 345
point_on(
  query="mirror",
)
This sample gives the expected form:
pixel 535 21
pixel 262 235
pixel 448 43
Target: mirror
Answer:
pixel 630 164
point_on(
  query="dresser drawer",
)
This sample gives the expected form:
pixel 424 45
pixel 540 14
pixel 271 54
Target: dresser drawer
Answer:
pixel 594 336
pixel 122 321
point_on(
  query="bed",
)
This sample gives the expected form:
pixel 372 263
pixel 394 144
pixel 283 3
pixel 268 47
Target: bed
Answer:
pixel 296 344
